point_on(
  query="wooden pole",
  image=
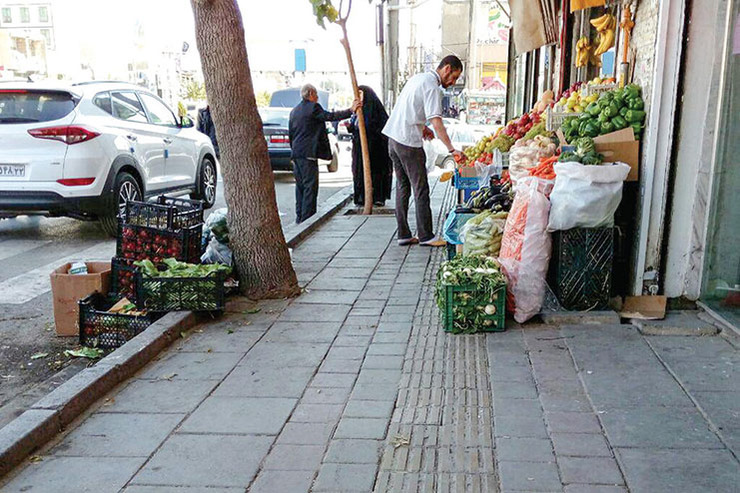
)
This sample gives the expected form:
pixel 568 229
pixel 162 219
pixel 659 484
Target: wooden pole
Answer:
pixel 368 209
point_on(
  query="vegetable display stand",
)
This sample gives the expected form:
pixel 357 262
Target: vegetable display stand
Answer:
pixel 123 278
pixel 167 213
pixel 554 120
pixel 102 329
pixel 581 267
pixel 462 309
pixel 164 294
pixel 144 242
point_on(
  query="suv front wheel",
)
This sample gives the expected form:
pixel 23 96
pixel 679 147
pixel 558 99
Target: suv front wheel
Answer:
pixel 125 187
pixel 206 184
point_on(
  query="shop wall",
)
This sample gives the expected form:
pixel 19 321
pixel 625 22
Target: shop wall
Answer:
pixel 694 156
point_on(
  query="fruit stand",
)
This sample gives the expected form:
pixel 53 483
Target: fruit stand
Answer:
pixel 546 220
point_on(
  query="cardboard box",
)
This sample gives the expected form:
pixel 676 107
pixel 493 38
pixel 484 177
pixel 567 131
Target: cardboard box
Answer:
pixel 67 290
pixel 621 146
pixel 468 172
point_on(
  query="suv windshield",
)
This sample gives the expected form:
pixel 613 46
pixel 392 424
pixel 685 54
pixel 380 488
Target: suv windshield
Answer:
pixel 22 106
pixel 274 118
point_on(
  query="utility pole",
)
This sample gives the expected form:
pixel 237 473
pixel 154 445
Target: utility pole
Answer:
pixel 390 66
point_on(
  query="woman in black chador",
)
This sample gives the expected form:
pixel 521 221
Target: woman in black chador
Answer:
pixel 381 168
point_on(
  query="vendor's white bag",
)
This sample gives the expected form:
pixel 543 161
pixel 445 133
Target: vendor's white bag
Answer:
pixel 586 196
pixel 525 248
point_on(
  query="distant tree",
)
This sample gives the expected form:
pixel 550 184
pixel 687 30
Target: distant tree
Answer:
pixel 263 99
pixel 195 91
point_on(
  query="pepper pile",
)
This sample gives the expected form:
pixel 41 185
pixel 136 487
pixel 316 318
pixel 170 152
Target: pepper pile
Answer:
pixel 613 111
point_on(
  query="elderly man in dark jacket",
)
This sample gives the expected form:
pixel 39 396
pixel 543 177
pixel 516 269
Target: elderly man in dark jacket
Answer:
pixel 309 143
pixel 206 126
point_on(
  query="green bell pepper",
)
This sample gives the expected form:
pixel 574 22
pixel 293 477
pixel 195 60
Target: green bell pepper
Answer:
pixel 634 116
pixel 636 104
pixel 623 111
pixel 589 128
pixel 619 122
pixel 619 101
pixel 603 117
pixel 593 109
pixel 637 127
pixel 607 127
pixel 611 110
pixel 631 91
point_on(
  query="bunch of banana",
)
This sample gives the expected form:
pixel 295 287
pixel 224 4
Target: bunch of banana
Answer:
pixel 583 52
pixel 606 26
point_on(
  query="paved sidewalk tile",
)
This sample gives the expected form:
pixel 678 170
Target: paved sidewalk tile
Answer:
pixel 255 381
pixel 354 451
pixel 316 413
pixel 242 415
pixel 369 428
pixel 590 470
pixel 191 366
pixel 345 477
pixel 294 457
pixel 279 481
pixel 159 396
pixel 529 476
pixel 524 449
pixel 305 433
pixel 580 444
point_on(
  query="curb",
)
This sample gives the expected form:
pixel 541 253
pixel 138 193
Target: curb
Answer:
pixel 45 419
pixel 296 233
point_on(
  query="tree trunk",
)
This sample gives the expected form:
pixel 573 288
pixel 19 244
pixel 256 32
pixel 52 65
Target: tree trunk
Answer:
pixel 256 236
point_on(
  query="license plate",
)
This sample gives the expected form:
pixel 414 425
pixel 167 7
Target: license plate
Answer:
pixel 12 170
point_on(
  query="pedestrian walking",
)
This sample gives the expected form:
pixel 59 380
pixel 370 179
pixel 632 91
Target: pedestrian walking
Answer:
pixel 381 167
pixel 309 143
pixel 420 102
pixel 206 126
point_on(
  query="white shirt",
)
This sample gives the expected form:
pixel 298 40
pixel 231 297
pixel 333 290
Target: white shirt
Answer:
pixel 420 100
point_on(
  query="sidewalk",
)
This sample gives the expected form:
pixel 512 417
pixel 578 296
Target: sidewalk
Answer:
pixel 355 387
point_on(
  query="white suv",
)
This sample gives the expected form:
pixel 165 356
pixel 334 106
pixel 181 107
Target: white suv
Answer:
pixel 82 150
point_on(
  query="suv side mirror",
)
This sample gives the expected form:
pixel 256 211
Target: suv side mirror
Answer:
pixel 186 122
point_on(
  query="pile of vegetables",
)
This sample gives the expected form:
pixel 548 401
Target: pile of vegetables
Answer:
pixel 570 100
pixel 584 153
pixel 545 168
pixel 477 308
pixel 516 129
pixel 175 268
pixel 526 153
pixel 482 234
pixel 614 110
pixel 495 197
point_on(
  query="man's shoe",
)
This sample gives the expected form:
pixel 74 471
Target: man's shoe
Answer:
pixel 434 242
pixel 408 241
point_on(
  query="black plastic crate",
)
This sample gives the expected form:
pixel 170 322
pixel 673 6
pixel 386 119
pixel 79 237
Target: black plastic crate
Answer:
pixel 165 294
pixel 101 329
pixel 142 242
pixel 165 212
pixel 123 278
pixel 580 272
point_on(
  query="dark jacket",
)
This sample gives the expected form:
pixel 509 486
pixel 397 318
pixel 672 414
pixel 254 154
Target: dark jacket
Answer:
pixel 307 130
pixel 206 126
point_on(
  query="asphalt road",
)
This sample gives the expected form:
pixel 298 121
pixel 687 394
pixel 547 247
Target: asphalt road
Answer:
pixel 31 247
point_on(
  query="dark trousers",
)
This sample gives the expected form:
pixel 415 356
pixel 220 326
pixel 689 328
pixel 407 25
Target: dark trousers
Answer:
pixel 411 174
pixel 306 174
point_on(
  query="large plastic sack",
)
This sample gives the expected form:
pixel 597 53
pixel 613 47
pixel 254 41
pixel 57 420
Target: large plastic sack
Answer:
pixel 216 224
pixel 586 196
pixel 482 234
pixel 525 248
pixel 453 226
pixel 217 253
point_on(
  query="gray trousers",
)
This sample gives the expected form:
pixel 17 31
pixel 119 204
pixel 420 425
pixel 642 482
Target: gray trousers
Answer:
pixel 409 164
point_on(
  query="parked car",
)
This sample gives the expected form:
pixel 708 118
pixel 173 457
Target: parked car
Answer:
pixel 275 127
pixel 462 137
pixel 289 98
pixel 343 130
pixel 81 150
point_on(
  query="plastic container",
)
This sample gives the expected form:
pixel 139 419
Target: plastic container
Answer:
pixel 580 272
pixel 123 278
pixel 554 121
pixel 165 212
pixel 453 324
pixel 165 294
pixel 101 329
pixel 143 242
pixel 465 182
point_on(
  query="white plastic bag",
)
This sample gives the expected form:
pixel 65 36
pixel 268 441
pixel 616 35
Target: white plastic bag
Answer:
pixel 586 196
pixel 485 172
pixel 217 253
pixel 525 248
pixel 482 234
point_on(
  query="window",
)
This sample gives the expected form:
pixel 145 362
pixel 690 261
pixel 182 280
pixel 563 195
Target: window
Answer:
pixel 46 33
pixel 274 117
pixel 34 106
pixel 126 106
pixel 43 14
pixel 102 101
pixel 159 113
pixel 25 15
pixel 7 17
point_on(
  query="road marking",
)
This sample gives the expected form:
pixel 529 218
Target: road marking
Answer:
pixel 25 287
pixel 11 248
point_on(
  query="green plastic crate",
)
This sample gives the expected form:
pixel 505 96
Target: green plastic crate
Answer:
pixel 451 299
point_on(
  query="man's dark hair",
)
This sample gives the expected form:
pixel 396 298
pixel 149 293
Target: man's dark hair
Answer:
pixel 452 61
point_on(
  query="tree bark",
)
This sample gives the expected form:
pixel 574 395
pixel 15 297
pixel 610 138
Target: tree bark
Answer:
pixel 366 171
pixel 256 237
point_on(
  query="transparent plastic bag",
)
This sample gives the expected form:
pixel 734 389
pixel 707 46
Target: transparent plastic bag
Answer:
pixel 486 172
pixel 482 234
pixel 217 253
pixel 217 226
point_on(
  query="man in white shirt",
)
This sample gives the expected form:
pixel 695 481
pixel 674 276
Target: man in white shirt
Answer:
pixel 420 101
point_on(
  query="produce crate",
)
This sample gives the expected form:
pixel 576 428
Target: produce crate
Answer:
pixel 581 267
pixel 167 213
pixel 144 242
pixel 101 329
pixel 123 278
pixel 452 299
pixel 165 294
pixel 554 121
pixel 587 90
pixel 465 182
